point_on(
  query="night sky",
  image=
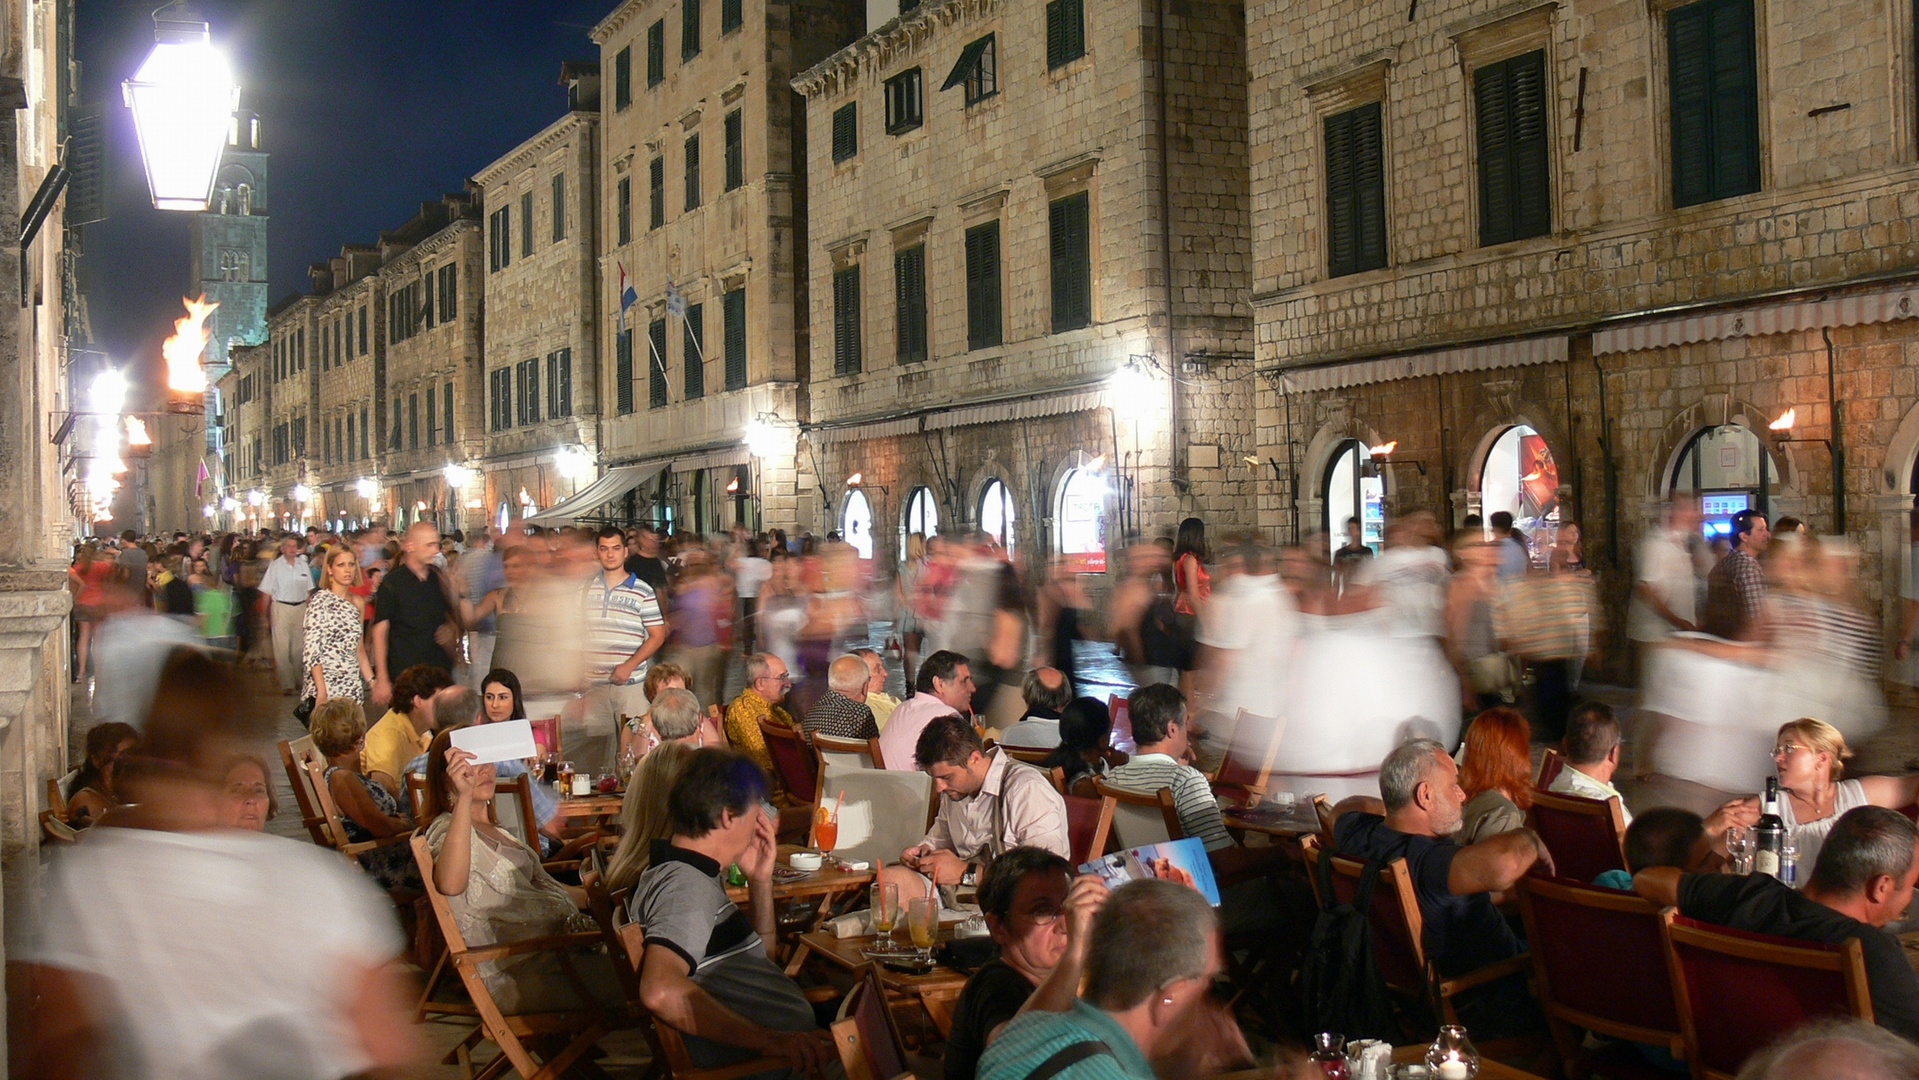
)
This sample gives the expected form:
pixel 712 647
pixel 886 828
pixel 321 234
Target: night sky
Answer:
pixel 367 110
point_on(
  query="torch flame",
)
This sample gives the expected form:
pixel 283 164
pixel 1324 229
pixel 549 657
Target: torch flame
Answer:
pixel 1534 475
pixel 856 479
pixel 184 349
pixel 1384 449
pixel 137 432
pixel 1786 420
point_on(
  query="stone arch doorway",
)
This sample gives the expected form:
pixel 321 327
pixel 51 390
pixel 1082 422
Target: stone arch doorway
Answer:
pixel 1353 488
pixel 856 522
pixel 1728 468
pixel 1518 474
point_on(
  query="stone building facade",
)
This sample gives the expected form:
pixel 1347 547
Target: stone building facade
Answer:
pixel 1572 260
pixel 703 217
pixel 543 383
pixel 284 472
pixel 228 245
pixel 247 392
pixel 1029 276
pixel 348 366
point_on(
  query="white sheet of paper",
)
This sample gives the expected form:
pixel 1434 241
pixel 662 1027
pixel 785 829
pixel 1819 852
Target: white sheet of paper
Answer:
pixel 508 740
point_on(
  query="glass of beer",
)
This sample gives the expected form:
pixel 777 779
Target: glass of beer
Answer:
pixel 884 906
pixel 922 919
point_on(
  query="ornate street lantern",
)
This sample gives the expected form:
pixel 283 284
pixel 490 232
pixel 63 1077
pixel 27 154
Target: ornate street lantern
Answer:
pixel 182 99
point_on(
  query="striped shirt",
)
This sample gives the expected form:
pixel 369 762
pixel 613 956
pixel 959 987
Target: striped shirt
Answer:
pixel 618 621
pixel 1031 1040
pixel 1192 795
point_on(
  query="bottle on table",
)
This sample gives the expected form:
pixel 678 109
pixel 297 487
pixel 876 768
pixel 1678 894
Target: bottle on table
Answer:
pixel 1769 834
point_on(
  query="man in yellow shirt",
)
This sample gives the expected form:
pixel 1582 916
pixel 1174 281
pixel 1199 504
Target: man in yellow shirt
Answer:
pixel 877 699
pixel 767 682
pixel 404 731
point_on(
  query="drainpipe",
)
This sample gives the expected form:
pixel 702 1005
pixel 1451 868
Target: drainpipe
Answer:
pixel 1838 443
pixel 1178 460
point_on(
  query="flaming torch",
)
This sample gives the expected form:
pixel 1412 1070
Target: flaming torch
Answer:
pixel 139 443
pixel 186 379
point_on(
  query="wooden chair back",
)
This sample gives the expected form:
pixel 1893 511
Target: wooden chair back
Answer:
pixel 60 793
pixel 1122 713
pixel 416 798
pixel 866 1034
pixel 569 1035
pixel 1599 962
pixel 546 736
pixel 1323 811
pixel 1133 819
pixel 626 942
pixel 1550 764
pixel 1738 991
pixel 847 753
pixel 513 809
pixel 1587 837
pixel 1031 755
pixel 311 767
pixel 1086 821
pixel 294 753
pixel 1398 926
pixel 1246 770
pixel 797 763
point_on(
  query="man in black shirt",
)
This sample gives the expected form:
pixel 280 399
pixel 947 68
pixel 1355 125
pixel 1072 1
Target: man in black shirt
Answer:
pixel 1027 896
pixel 645 562
pixel 1863 880
pixel 410 613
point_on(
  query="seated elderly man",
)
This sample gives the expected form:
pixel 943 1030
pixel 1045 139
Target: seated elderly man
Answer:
pixel 767 684
pixel 1046 691
pixel 1419 809
pixel 675 716
pixel 841 712
pixel 708 970
pixel 1592 755
pixel 1834 1047
pixel 1153 952
pixel 992 804
pixel 1862 881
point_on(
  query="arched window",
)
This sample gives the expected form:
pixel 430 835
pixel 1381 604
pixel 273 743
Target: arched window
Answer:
pixel 856 523
pixel 1521 478
pixel 246 198
pixel 1730 471
pixel 921 516
pixel 996 514
pixel 1354 491
pixel 1080 514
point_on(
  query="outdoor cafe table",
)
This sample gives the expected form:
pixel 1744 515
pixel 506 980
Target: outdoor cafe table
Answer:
pixel 936 991
pixel 1286 829
pixel 828 883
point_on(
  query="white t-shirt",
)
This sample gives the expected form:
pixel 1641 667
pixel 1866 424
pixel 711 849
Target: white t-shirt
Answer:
pixel 1253 619
pixel 751 573
pixel 1666 566
pixel 223 952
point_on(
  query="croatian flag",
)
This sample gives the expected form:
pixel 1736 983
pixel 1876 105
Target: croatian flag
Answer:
pixel 628 295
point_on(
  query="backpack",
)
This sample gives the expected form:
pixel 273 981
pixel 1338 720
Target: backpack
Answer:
pixel 1340 985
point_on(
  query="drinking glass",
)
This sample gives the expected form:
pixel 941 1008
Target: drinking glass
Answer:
pixel 1451 1056
pixel 1329 1054
pixel 922 917
pixel 884 906
pixel 826 831
pixel 1739 849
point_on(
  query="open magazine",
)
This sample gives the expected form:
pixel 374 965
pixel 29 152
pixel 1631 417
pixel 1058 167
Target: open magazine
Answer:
pixel 1183 861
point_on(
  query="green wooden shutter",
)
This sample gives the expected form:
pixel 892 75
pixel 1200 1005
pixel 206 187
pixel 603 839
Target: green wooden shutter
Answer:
pixel 693 350
pixel 656 364
pixel 1065 32
pixel 983 329
pixel 1492 102
pixel 846 321
pixel 1689 75
pixel 846 131
pixel 1714 90
pixel 623 371
pixel 1069 228
pixel 733 313
pixel 1355 191
pixel 1515 196
pixel 909 297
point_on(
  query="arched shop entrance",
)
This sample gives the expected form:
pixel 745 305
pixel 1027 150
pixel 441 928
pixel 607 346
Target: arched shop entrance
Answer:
pixel 921 515
pixel 1520 477
pixel 1353 488
pixel 1079 513
pixel 996 514
pixel 856 523
pixel 1730 470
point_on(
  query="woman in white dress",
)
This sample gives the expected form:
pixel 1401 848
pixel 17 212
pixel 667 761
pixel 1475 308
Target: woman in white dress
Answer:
pixel 1811 758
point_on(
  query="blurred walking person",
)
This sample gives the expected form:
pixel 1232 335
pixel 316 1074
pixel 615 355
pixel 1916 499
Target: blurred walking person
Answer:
pixel 283 593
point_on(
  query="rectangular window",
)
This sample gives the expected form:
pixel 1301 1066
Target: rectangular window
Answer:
pixel 735 150
pixel 903 102
pixel 977 69
pixel 623 78
pixel 559 383
pixel 689 29
pixel 846 132
pixel 363 308
pixel 909 301
pixel 559 207
pixel 656 193
pixel 623 209
pixel 692 172
pixel 530 391
pixel 449 292
pixel 351 444
pixel 432 421
pixel 656 364
pixel 656 53
pixel 366 431
pixel 413 420
pixel 446 402
pixel 733 315
pixel 396 431
pixel 1714 91
pixel 496 396
pixel 623 371
pixel 846 321
pixel 1069 228
pixel 1065 32
pixel 526 225
pixel 426 300
pixel 500 242
pixel 1355 191
pixel 982 286
pixel 693 351
pixel 732 15
pixel 1509 98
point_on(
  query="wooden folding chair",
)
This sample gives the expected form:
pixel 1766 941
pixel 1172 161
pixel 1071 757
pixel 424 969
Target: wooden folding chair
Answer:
pixel 1738 991
pixel 795 761
pixel 1587 837
pixel 579 1029
pixel 416 798
pixel 1031 755
pixel 1599 963
pixel 311 765
pixel 1085 818
pixel 1121 711
pixel 1130 819
pixel 54 823
pixel 1550 763
pixel 1399 929
pixel 846 753
pixel 866 1034
pixel 1323 812
pixel 292 753
pixel 1246 769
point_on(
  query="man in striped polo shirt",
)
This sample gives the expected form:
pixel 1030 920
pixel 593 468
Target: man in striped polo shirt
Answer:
pixel 1162 735
pixel 624 628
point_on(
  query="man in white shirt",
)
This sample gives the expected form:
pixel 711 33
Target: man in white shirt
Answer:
pixel 1665 591
pixel 1247 633
pixel 1592 756
pixel 944 685
pixel 283 592
pixel 1046 691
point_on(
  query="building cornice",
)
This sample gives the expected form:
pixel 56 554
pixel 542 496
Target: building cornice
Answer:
pixel 893 41
pixel 616 21
pixel 529 152
pixel 429 247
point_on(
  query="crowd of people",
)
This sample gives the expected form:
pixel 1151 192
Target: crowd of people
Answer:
pixel 1413 685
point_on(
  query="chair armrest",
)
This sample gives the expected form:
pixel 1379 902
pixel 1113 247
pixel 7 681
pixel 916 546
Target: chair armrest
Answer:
pixel 533 945
pixel 373 845
pixel 1512 965
pixel 822 993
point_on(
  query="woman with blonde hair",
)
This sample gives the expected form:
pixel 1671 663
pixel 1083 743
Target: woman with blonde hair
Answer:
pixel 335 656
pixel 1811 758
pixel 643 813
pixel 368 811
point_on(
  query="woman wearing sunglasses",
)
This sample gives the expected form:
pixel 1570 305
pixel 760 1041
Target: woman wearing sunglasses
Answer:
pixel 1811 758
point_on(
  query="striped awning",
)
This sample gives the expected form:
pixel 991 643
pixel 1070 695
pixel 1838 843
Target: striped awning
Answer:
pixel 617 482
pixel 1854 310
pixel 1500 354
pixel 1023 409
pixel 878 429
pixel 718 459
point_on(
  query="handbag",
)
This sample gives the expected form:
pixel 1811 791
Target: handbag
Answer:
pixel 1493 673
pixel 303 712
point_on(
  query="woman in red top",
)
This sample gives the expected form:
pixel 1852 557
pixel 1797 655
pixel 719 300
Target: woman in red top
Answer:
pixel 87 577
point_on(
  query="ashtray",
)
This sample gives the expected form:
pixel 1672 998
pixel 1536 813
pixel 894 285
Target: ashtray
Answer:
pixel 805 861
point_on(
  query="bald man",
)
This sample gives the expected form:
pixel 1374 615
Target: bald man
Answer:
pixel 841 712
pixel 413 623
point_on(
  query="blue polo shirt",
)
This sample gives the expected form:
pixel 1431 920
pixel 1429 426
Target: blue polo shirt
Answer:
pixel 1030 1040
